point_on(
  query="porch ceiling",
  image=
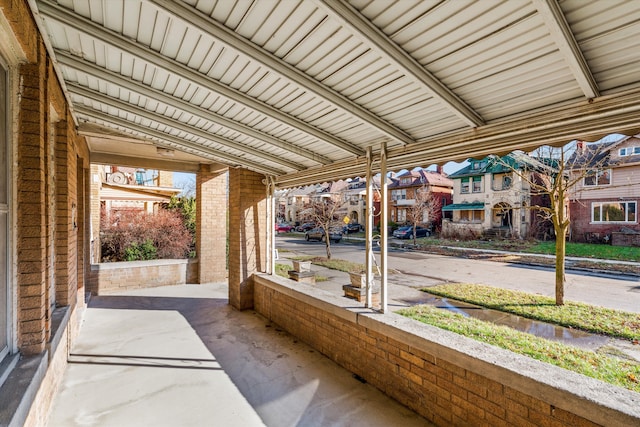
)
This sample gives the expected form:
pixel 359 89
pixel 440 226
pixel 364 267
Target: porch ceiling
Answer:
pixel 299 89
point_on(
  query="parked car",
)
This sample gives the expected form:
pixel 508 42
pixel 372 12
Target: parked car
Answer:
pixel 353 227
pixel 306 226
pixel 406 232
pixel 319 235
pixel 283 228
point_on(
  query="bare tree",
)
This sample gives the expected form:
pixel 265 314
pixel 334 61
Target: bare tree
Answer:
pixel 426 209
pixel 324 212
pixel 551 173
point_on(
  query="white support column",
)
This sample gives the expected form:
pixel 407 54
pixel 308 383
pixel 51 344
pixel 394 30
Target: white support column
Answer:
pixel 384 230
pixel 369 229
pixel 271 239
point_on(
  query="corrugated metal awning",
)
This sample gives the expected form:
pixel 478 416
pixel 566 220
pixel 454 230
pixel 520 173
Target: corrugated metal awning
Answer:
pixel 299 89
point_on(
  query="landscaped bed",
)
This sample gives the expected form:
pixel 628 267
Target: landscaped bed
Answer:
pixel 621 372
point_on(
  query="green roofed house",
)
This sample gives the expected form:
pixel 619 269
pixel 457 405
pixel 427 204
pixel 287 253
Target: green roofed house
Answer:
pixel 490 199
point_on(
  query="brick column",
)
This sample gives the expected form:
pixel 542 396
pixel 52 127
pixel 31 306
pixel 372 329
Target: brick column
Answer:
pixel 31 219
pixel 211 225
pixel 247 234
pixel 66 215
pixel 95 184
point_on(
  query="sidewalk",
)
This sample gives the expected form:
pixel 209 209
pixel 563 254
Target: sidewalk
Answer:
pixel 181 356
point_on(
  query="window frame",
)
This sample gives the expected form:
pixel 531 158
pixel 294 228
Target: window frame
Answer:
pixel 597 173
pixel 401 192
pixel 464 181
pixel 474 180
pixel 6 212
pixel 627 203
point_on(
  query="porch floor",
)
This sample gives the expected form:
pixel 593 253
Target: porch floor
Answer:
pixel 181 356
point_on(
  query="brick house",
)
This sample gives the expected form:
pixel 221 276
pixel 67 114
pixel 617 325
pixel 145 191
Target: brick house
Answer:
pixel 403 190
pixel 490 198
pixel 604 204
pixel 49 151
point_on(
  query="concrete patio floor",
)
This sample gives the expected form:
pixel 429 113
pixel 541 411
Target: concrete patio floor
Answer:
pixel 181 356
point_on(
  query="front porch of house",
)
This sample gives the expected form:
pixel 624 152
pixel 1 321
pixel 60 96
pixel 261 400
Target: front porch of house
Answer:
pixel 304 355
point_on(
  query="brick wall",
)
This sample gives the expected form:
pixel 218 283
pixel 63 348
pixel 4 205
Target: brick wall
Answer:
pixel 46 198
pixel 33 329
pixel 211 225
pixel 247 234
pixel 119 276
pixel 448 379
pixel 583 231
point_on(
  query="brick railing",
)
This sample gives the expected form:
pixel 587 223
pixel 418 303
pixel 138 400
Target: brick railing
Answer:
pixel 447 378
pixel 111 277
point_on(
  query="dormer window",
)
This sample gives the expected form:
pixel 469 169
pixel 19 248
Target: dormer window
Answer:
pixel 478 165
pixel 406 181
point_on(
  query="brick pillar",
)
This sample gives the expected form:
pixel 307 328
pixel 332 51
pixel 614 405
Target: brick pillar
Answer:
pixel 66 215
pixel 247 234
pixel 31 208
pixel 165 179
pixel 211 225
pixel 95 184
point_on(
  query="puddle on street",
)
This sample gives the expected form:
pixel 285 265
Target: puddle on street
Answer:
pixel 567 336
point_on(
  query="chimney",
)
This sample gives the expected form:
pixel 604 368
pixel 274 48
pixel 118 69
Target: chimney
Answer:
pixel 439 169
pixel 580 146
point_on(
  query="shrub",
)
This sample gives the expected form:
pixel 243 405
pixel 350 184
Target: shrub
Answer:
pixel 126 235
pixel 143 251
pixel 187 208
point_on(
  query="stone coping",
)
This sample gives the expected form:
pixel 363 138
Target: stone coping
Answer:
pixel 136 264
pixel 18 392
pixel 592 399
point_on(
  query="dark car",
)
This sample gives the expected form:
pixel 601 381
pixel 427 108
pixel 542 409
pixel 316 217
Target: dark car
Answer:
pixel 283 228
pixel 353 227
pixel 319 235
pixel 407 232
pixel 306 226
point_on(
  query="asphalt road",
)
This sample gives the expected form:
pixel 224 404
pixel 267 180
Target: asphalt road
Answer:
pixel 423 269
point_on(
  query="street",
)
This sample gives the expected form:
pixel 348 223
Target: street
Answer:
pixel 418 269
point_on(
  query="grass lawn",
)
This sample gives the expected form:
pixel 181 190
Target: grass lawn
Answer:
pixel 583 250
pixel 283 271
pixel 623 373
pixel 333 264
pixel 585 317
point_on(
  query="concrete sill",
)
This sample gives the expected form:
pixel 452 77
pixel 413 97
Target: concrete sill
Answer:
pixel 22 383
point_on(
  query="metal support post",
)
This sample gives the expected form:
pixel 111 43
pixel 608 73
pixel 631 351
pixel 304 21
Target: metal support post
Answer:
pixel 384 230
pixel 271 239
pixel 369 228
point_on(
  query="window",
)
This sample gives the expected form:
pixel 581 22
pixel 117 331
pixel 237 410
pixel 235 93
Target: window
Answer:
pixel 406 181
pixel 398 194
pixel 5 301
pixel 478 165
pixel 614 212
pixel 464 185
pixel 629 151
pixel 472 216
pixel 402 215
pixel 477 184
pixel 597 177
